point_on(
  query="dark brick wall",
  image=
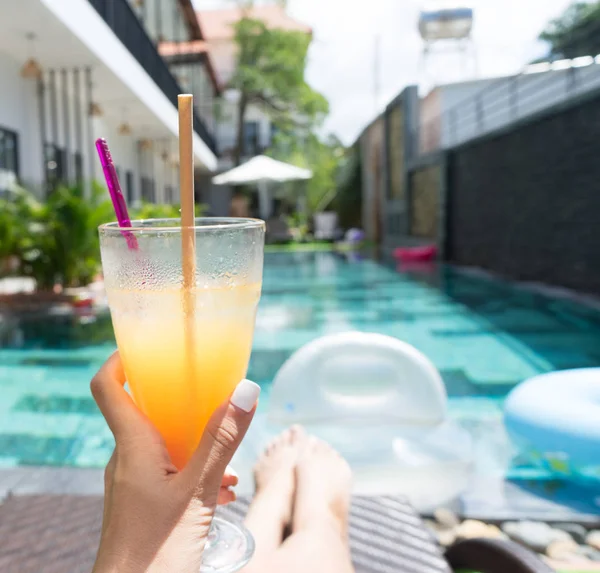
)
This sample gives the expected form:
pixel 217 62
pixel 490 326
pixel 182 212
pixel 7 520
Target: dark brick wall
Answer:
pixel 526 203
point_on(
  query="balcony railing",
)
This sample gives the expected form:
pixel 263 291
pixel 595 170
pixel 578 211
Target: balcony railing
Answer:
pixel 123 21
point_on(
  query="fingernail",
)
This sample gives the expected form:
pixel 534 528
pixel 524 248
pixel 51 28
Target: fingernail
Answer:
pixel 245 395
pixel 231 472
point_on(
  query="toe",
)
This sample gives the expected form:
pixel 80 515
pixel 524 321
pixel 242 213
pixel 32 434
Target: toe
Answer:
pixel 286 437
pixel 297 433
pixel 274 444
pixel 293 434
pixel 314 442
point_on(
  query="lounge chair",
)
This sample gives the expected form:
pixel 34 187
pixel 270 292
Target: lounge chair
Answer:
pixel 278 231
pixel 386 535
pixel 326 226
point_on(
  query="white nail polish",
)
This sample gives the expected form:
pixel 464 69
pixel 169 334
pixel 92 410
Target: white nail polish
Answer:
pixel 231 472
pixel 245 395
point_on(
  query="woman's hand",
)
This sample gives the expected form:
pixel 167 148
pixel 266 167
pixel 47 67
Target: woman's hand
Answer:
pixel 157 518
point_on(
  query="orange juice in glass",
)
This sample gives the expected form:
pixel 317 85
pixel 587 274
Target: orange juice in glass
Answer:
pixel 179 396
pixel 181 366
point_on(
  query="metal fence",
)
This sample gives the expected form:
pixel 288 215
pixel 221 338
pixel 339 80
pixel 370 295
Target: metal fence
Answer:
pixel 123 21
pixel 509 100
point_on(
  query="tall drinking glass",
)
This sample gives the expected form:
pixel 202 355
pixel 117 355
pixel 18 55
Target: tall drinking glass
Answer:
pixel 180 364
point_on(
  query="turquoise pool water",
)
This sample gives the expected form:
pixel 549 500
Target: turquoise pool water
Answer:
pixel 485 336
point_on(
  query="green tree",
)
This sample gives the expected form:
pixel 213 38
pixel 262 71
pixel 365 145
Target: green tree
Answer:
pixel 15 211
pixel 323 157
pixel 56 241
pixel 270 73
pixel 575 33
pixel 62 243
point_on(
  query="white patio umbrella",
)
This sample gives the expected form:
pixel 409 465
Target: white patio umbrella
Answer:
pixel 262 170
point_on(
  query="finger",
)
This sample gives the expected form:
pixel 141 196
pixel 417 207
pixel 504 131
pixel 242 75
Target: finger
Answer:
pixel 230 478
pixel 222 436
pixel 226 496
pixel 114 402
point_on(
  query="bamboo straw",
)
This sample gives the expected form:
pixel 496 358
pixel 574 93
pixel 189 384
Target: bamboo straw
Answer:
pixel 186 190
pixel 188 238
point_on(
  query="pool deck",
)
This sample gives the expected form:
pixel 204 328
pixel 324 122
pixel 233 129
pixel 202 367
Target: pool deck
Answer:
pixel 491 500
pixel 50 481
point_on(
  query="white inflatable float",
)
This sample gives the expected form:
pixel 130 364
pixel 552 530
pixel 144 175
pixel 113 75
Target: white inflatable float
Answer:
pixel 383 405
pixel 555 419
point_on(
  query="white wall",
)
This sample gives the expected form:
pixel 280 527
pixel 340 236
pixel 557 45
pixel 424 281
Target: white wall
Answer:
pixel 18 112
pixel 123 150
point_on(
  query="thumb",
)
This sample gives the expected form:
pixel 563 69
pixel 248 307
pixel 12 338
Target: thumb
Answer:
pixel 222 436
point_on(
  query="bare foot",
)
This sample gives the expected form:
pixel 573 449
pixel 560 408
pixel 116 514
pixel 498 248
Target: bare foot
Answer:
pixel 274 478
pixel 323 487
pixel 274 470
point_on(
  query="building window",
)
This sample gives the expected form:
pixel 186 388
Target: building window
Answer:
pixel 9 159
pixel 169 194
pixel 273 135
pixel 148 190
pixel 144 188
pixel 129 186
pixel 250 138
pixel 78 164
pixel 54 166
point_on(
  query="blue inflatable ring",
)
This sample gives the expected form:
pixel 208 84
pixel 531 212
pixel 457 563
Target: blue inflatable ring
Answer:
pixel 555 419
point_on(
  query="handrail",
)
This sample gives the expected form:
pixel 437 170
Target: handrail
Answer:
pixel 504 102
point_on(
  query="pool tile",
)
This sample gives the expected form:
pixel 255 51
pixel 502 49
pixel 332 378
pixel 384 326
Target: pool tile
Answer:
pixel 264 364
pixel 58 362
pixel 458 383
pixel 42 425
pixel 57 404
pixel 36 450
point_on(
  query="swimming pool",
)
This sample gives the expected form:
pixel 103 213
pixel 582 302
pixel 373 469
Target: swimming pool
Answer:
pixel 484 336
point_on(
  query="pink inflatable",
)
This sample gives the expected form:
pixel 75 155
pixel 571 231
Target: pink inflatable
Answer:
pixel 416 254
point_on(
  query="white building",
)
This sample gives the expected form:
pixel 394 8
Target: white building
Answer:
pixel 75 70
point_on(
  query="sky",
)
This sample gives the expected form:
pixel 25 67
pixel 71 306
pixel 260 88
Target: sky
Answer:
pixel 343 52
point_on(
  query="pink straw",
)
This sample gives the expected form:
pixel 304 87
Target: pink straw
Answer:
pixel 116 194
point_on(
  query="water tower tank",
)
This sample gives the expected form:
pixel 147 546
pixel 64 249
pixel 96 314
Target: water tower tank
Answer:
pixel 445 21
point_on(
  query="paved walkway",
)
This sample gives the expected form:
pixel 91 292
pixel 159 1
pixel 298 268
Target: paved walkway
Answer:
pixel 47 480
